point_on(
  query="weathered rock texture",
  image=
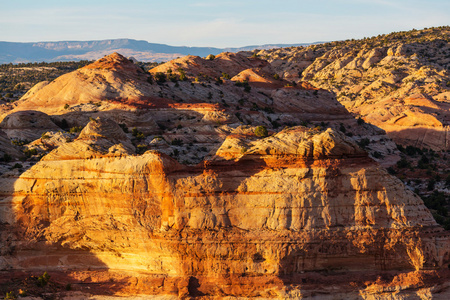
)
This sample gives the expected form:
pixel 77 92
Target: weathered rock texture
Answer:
pixel 199 110
pixel 398 82
pixel 191 202
pixel 27 125
pixel 254 217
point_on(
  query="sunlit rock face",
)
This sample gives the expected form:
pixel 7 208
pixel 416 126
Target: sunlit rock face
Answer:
pixel 226 214
pixel 398 82
pixel 261 209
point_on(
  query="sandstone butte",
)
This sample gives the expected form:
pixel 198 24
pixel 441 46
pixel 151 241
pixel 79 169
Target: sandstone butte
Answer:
pixel 303 212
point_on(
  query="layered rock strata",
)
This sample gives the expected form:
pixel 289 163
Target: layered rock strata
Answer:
pixel 256 215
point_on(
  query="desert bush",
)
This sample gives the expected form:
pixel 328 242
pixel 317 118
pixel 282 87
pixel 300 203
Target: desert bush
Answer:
pixel 403 163
pixel 363 143
pixel 150 79
pixel 137 134
pixel 177 142
pixel 431 184
pixel 19 143
pixel 226 76
pixel 182 74
pixel 377 154
pixel 30 152
pixel 141 148
pixel 261 131
pixel 43 279
pixel 75 129
pixel 17 166
pixel 391 171
pixel 360 121
pixel 6 158
pixel 160 77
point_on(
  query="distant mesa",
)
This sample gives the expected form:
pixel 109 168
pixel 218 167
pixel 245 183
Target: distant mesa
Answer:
pixel 92 50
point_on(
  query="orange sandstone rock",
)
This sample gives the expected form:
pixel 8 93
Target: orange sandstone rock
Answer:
pixel 293 202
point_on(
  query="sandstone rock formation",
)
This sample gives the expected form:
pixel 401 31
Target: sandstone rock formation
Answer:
pixel 377 78
pixel 6 148
pixel 27 125
pixel 194 110
pixel 241 223
pixel 168 190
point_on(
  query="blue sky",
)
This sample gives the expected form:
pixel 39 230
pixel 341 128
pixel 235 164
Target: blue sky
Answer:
pixel 225 23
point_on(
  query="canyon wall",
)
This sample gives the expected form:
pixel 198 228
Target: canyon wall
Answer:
pixel 300 200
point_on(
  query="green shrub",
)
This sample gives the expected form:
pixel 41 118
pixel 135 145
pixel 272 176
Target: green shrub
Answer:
pixel 377 154
pixel 150 79
pixel 19 143
pixel 261 131
pixel 431 184
pixel 402 163
pixel 17 166
pixel 6 158
pixel 391 171
pixel 360 121
pixel 410 150
pixel 30 152
pixel 160 77
pixel 141 148
pixel 75 129
pixel 43 279
pixel 363 143
pixel 177 142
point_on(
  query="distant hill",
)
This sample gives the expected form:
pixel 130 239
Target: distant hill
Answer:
pixel 11 52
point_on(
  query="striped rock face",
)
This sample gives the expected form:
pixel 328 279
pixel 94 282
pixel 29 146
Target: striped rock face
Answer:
pixel 251 219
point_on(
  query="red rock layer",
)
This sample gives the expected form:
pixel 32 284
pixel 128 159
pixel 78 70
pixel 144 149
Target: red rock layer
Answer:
pixel 311 202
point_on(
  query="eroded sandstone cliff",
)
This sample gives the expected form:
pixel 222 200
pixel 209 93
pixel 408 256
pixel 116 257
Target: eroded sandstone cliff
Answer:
pixel 255 216
pixel 169 189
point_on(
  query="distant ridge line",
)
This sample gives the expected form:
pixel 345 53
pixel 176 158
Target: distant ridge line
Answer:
pixel 24 52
